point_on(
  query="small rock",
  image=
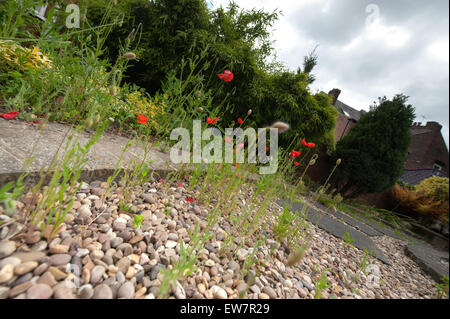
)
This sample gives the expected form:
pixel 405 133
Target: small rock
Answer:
pixel 60 259
pixel 7 248
pixel 39 291
pixel 10 260
pixel 86 292
pixel 97 274
pixel 126 291
pixel 103 292
pixel 63 293
pixel 219 293
pixel 270 292
pixel 59 249
pixel 25 267
pixel 4 292
pixel 6 273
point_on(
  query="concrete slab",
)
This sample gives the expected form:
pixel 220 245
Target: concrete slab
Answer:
pixel 429 259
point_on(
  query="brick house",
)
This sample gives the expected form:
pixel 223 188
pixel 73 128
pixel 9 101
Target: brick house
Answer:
pixel 427 153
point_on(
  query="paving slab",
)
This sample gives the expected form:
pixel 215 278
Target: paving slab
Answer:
pixel 20 140
pixel 429 259
pixel 338 229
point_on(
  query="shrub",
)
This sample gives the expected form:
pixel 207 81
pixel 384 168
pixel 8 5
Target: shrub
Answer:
pixel 430 198
pixel 374 151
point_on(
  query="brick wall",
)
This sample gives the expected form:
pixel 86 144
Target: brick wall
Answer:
pixel 343 126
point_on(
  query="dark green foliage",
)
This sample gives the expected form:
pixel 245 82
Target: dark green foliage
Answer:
pixel 225 38
pixel 373 153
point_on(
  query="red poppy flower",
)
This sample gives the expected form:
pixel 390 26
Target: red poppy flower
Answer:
pixel 227 76
pixel 311 145
pixel 267 148
pixel 239 146
pixel 296 163
pixel 36 122
pixel 304 142
pixel 190 200
pixel 9 116
pixel 236 164
pixel 211 121
pixel 234 151
pixel 240 121
pixel 227 139
pixel 142 119
pixel 294 154
pixel 180 185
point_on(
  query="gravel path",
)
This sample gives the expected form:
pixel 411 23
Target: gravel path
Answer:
pixel 111 259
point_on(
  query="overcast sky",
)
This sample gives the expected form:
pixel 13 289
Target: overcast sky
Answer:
pixel 369 48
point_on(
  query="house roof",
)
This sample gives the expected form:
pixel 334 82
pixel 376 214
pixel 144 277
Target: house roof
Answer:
pixel 415 177
pixel 348 111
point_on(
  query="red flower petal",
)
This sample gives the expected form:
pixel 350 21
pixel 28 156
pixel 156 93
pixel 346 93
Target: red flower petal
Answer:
pixel 311 145
pixel 190 200
pixel 239 146
pixel 296 163
pixel 227 139
pixel 240 121
pixel 267 148
pixel 36 122
pixel 227 75
pixel 211 121
pixel 9 116
pixel 304 142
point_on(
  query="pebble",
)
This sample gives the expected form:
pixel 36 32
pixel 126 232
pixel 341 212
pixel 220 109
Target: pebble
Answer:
pixel 103 291
pixel 219 293
pixel 63 293
pixel 86 292
pixel 10 260
pixel 270 292
pixel 39 291
pixel 60 259
pixel 25 267
pixel 7 247
pixel 6 273
pixel 97 274
pixel 126 291
pixel 4 292
pixel 59 249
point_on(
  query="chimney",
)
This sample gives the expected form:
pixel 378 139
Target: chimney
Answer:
pixel 414 124
pixel 335 94
pixel 434 126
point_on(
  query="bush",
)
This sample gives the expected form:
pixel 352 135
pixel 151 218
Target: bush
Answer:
pixel 374 151
pixel 430 199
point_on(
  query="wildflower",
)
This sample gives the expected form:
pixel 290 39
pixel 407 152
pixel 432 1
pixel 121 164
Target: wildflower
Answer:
pixel 227 76
pixel 338 162
pixel 36 122
pixel 142 119
pixel 240 121
pixel 294 154
pixel 267 148
pixel 190 200
pixel 211 121
pixel 304 142
pixel 129 56
pixel 296 163
pixel 236 164
pixel 281 126
pixel 310 145
pixel 9 116
pixel 227 139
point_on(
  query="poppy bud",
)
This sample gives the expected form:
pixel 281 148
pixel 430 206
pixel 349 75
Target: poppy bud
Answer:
pixel 89 37
pixel 200 109
pixel 111 119
pixel 198 94
pixel 129 56
pixel 338 162
pixel 249 112
pixel 312 162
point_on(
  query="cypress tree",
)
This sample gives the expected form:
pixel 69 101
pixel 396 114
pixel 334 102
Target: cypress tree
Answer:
pixel 374 151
